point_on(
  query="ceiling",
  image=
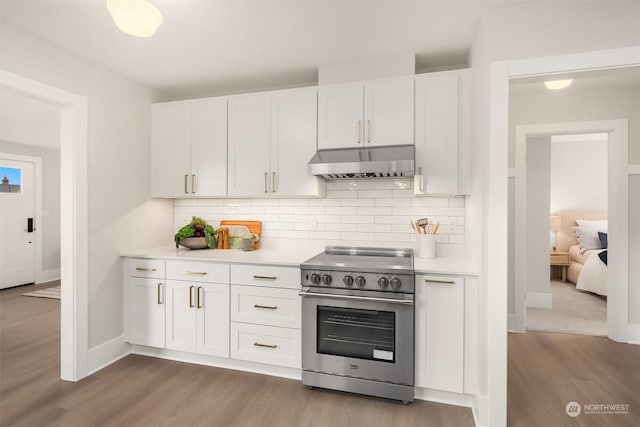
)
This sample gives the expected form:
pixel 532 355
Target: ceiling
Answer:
pixel 209 47
pixel 28 121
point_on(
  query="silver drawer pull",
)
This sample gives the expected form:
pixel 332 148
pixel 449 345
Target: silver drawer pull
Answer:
pixel 270 307
pixel 145 269
pixel 444 282
pixel 198 273
pixel 353 297
pixel 265 277
pixel 257 344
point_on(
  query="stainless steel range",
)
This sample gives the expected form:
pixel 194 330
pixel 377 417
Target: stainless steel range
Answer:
pixel 358 321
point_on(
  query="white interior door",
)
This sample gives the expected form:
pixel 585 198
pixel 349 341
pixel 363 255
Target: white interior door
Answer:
pixel 17 239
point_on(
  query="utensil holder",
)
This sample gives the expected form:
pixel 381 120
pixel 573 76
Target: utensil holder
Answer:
pixel 426 245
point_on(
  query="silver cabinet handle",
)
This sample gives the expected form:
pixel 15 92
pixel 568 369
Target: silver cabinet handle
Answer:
pixel 193 183
pixel 186 190
pixel 273 182
pixel 266 174
pixel 359 131
pixel 160 301
pixel 389 300
pixel 197 273
pixel 199 296
pixel 442 282
pixel 191 296
pixel 145 269
pixel 257 344
pixel 421 178
pixel 265 277
pixel 368 131
pixel 269 307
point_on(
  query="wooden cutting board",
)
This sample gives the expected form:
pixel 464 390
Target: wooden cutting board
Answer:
pixel 253 226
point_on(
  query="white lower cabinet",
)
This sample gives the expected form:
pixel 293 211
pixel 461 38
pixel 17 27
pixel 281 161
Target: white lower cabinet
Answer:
pixel 440 333
pixel 197 318
pixel 145 324
pixel 266 344
pixel 266 306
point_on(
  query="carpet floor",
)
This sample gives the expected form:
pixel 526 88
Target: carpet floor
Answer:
pixel 573 312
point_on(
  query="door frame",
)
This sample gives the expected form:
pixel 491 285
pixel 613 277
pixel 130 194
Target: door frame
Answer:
pixel 617 209
pixel 74 258
pixel 495 230
pixel 37 208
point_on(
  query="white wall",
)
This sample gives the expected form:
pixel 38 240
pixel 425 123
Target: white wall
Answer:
pixel 579 176
pixel 507 33
pixel 50 226
pixel 121 215
pixel 362 210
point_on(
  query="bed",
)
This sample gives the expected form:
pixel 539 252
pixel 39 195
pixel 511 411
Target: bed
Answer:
pixel 586 268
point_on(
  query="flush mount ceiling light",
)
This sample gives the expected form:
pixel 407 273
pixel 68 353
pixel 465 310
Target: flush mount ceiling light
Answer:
pixel 558 84
pixel 138 18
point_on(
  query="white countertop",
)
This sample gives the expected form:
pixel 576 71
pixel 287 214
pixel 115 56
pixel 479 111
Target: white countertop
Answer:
pixel 291 253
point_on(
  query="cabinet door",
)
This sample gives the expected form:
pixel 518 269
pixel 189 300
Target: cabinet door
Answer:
pixel 146 312
pixel 209 147
pixel 293 142
pixel 181 315
pixel 213 319
pixel 437 133
pixel 440 333
pixel 171 149
pixel 249 145
pixel 388 112
pixel 340 116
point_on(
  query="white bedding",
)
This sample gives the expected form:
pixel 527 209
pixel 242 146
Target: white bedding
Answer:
pixel 593 276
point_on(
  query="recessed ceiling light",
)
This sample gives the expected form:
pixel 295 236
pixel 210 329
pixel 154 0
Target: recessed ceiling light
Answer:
pixel 138 18
pixel 558 84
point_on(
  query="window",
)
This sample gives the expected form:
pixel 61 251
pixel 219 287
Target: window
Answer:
pixel 11 180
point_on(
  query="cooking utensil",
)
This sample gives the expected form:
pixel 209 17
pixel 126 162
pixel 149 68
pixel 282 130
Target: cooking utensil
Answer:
pixel 414 226
pixel 435 230
pixel 422 223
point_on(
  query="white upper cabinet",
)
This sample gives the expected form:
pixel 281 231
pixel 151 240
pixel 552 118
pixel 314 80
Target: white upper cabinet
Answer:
pixel 189 148
pixel 249 144
pixel 442 133
pixel 272 137
pixel 377 112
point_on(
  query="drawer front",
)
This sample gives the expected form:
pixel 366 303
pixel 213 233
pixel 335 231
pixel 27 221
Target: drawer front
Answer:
pixel 151 268
pixel 266 306
pixel 265 275
pixel 266 344
pixel 559 258
pixel 194 271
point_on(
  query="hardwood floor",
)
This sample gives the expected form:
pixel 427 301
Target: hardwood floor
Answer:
pixel 548 370
pixel 143 391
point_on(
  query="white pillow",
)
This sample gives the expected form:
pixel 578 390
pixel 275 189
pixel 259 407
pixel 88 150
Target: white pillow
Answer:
pixel 600 224
pixel 588 238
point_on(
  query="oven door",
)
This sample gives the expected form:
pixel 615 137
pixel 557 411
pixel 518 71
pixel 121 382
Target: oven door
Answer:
pixel 360 334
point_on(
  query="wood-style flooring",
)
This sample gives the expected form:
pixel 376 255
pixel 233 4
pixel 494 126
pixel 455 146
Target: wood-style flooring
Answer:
pixel 144 391
pixel 549 370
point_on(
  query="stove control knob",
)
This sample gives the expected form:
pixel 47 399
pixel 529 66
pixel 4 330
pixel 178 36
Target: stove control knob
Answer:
pixel 326 279
pixel 360 281
pixel 383 282
pixel 395 283
pixel 315 278
pixel 348 280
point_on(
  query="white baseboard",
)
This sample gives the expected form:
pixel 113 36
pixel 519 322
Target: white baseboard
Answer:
pixel 633 333
pixel 515 324
pixel 539 299
pixel 105 354
pixel 48 276
pixel 480 410
pixel 457 399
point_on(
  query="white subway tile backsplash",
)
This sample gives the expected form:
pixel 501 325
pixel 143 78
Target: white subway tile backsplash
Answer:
pixel 360 210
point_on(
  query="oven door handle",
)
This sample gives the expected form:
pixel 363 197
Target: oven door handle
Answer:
pixel 389 300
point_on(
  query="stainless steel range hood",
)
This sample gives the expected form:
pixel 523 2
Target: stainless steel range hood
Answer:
pixel 374 162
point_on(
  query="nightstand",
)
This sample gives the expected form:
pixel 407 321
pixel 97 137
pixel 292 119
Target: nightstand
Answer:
pixel 559 259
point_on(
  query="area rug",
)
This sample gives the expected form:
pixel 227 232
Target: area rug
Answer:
pixel 53 293
pixel 572 312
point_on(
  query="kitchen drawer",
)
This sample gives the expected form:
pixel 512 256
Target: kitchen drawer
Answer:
pixel 151 268
pixel 265 275
pixel 266 306
pixel 194 271
pixel 559 258
pixel 266 344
